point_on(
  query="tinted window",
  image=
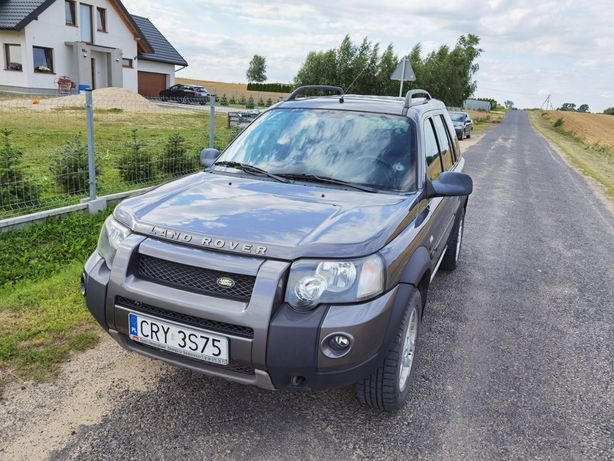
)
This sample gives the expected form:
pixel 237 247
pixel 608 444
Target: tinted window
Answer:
pixel 431 150
pixel 444 143
pixel 369 149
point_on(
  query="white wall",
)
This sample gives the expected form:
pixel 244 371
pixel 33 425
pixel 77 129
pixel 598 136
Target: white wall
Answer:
pixel 158 68
pixel 50 30
pixel 11 77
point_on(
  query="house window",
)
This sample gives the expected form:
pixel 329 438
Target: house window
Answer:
pixel 126 62
pixel 12 56
pixel 85 19
pixel 101 19
pixel 71 18
pixel 43 59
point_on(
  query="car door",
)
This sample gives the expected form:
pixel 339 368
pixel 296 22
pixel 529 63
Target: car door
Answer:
pixel 176 92
pixel 436 215
pixel 446 149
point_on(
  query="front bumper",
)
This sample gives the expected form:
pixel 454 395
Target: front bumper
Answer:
pixel 273 346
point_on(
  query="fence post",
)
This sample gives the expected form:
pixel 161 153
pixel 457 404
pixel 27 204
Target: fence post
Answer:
pixel 211 121
pixel 89 110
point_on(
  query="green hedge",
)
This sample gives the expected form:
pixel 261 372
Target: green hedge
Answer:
pixel 270 87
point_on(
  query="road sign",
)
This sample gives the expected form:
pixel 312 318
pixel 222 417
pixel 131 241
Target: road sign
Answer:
pixel 404 73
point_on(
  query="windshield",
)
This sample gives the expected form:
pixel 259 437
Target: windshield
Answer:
pixel 368 149
pixel 457 116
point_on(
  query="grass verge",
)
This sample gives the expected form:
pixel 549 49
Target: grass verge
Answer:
pixel 484 121
pixel 594 161
pixel 42 313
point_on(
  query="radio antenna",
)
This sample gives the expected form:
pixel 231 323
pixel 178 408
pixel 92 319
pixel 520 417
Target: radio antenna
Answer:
pixel 357 77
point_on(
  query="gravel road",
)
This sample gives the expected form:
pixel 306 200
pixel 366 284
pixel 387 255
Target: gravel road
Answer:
pixel 517 353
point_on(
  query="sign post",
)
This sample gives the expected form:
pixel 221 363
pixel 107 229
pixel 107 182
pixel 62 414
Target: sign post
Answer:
pixel 404 73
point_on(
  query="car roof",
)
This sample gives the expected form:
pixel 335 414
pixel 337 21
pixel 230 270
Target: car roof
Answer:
pixel 361 103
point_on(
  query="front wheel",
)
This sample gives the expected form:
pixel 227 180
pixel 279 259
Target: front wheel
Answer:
pixel 469 134
pixel 388 387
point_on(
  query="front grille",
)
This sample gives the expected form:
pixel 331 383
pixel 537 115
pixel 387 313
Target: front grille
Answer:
pixel 213 325
pixel 194 279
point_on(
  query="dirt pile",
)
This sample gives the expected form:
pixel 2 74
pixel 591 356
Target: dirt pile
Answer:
pixel 104 98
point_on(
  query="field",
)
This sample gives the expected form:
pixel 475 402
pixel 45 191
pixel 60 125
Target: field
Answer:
pixel 587 140
pixel 233 89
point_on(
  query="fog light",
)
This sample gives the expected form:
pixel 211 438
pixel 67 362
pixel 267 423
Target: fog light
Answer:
pixel 83 284
pixel 339 342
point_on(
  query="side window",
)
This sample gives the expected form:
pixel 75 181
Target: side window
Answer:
pixel 452 138
pixel 431 151
pixel 444 143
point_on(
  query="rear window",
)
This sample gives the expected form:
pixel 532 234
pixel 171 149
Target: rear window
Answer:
pixel 368 149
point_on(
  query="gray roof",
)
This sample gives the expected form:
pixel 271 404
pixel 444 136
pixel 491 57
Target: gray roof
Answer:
pixel 16 14
pixel 163 51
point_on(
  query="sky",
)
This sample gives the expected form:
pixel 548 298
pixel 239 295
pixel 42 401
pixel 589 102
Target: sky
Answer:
pixel 532 48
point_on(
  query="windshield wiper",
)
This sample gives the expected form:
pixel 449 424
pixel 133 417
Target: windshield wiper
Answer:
pixel 325 180
pixel 251 169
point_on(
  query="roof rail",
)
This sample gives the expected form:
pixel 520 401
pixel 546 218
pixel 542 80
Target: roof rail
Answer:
pixel 410 95
pixel 304 89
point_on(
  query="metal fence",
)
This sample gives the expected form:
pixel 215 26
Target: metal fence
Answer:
pixel 47 146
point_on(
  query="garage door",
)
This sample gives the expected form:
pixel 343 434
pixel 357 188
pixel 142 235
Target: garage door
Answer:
pixel 150 84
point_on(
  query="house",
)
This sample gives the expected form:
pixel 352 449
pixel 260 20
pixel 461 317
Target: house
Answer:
pixel 95 43
pixel 476 104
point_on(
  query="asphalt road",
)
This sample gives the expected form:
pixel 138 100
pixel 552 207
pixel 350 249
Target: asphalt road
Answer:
pixel 517 347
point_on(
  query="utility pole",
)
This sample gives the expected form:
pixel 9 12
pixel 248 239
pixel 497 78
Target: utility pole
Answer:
pixel 546 103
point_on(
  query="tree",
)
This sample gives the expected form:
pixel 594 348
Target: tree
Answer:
pixel 509 105
pixel 257 69
pixel 360 68
pixel 583 108
pixel 609 111
pixel 568 107
pixel 448 73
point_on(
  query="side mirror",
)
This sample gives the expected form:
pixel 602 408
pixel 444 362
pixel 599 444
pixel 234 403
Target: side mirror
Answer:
pixel 208 156
pixel 449 184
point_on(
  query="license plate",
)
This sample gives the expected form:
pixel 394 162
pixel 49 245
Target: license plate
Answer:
pixel 178 338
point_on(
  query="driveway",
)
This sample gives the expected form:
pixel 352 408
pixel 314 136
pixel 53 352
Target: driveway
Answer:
pixel 516 359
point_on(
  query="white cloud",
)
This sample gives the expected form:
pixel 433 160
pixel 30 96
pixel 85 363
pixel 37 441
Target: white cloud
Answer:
pixel 532 47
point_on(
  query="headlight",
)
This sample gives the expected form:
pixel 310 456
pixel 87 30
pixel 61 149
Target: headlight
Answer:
pixel 314 282
pixel 111 235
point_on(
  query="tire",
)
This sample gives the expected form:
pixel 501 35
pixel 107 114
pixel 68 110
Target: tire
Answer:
pixel 386 389
pixel 462 135
pixel 469 134
pixel 455 241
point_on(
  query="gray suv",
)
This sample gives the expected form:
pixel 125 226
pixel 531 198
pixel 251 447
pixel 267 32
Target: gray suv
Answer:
pixel 301 257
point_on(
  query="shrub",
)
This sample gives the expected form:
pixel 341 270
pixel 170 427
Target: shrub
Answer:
pixel 270 87
pixel 269 102
pixel 609 111
pixel 175 160
pixel 71 167
pixel 224 100
pixel 233 100
pixel 242 100
pixel 250 103
pixel 15 190
pixel 559 122
pixel 135 164
pixel 260 102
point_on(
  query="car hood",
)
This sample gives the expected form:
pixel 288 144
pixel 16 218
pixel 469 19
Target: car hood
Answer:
pixel 261 217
